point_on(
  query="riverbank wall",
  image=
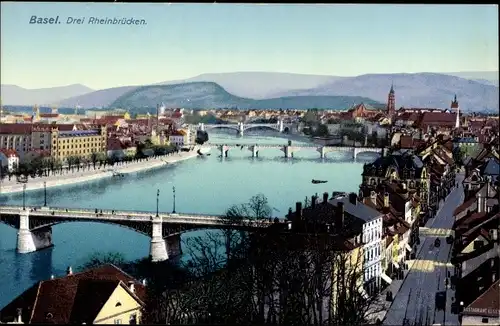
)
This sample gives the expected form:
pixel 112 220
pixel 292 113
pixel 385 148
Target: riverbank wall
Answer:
pixel 87 176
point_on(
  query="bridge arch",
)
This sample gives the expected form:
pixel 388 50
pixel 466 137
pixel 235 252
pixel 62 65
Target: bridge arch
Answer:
pixel 271 127
pixel 141 228
pixel 210 127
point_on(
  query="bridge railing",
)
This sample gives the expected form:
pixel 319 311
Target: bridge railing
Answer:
pixel 169 218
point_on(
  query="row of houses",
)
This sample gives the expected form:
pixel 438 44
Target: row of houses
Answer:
pixel 112 136
pixel 475 251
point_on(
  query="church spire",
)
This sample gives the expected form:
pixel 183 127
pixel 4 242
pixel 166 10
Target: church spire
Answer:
pixel 392 88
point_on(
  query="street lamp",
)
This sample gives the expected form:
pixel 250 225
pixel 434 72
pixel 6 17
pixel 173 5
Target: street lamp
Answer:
pixel 157 201
pixel 24 196
pixel 173 190
pixel 45 193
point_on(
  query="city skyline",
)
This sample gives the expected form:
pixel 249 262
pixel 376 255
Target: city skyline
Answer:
pixel 183 40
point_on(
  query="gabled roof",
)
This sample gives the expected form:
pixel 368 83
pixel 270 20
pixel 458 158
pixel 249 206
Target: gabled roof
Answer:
pixel 487 304
pixel 56 301
pixel 491 167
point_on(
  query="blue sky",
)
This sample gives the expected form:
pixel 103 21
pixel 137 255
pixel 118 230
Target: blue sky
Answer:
pixel 185 40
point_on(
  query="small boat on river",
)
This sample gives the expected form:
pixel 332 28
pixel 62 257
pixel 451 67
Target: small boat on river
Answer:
pixel 318 181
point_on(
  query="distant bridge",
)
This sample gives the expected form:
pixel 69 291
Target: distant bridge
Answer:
pixel 35 225
pixel 288 150
pixel 242 127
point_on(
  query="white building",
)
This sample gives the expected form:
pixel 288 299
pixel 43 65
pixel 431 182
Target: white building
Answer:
pixel 180 138
pixel 9 159
pixel 371 235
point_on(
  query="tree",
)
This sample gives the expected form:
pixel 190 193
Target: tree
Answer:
pixel 321 131
pixel 97 259
pixel 201 137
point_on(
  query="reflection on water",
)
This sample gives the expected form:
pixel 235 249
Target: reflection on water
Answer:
pixel 203 185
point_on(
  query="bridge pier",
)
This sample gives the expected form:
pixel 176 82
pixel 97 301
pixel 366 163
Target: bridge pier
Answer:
pixel 223 150
pixel 174 245
pixel 255 151
pixel 31 241
pixel 241 128
pixel 158 247
pixel 288 151
pixel 322 151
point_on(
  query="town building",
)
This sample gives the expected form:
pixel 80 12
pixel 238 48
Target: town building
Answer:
pixel 103 295
pixel 9 160
pixel 82 143
pixel 406 167
pixel 476 242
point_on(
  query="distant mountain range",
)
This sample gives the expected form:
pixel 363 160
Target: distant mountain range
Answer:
pixel 476 91
pixel 15 95
pixel 212 95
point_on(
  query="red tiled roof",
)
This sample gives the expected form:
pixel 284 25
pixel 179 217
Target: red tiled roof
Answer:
pixel 9 152
pixel 487 304
pixel 67 300
pixel 465 205
pixel 114 144
pixel 15 128
pixel 440 119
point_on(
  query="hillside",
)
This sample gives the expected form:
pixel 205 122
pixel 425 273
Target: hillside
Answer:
pixel 259 85
pixel 212 95
pixel 97 99
pixel 412 90
pixel 15 95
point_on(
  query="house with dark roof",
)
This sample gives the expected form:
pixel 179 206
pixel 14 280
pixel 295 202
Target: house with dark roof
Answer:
pixel 476 245
pixel 103 295
pixel 401 209
pixel 347 217
pixel 406 167
pixel 485 310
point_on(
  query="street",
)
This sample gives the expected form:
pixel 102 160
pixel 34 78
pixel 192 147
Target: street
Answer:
pixel 415 300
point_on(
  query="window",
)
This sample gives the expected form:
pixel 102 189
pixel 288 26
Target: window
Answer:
pixel 133 319
pixel 484 320
pixel 478 244
pixel 118 321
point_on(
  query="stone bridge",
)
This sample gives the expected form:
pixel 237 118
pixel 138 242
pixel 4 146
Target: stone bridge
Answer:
pixel 242 127
pixel 288 150
pixel 35 225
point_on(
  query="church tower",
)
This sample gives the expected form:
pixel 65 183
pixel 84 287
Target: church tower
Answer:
pixel 391 102
pixel 454 107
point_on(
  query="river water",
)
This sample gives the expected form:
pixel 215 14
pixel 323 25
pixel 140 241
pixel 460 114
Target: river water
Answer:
pixel 203 185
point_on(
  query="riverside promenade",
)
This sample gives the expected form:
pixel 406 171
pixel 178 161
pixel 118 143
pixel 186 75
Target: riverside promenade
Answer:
pixel 91 174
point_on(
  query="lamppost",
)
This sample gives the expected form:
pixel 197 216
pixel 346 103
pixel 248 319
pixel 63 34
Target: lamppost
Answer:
pixel 24 196
pixel 45 193
pixel 173 190
pixel 157 201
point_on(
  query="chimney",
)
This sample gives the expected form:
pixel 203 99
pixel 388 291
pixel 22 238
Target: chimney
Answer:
pixel 298 210
pixel 19 315
pixel 313 202
pixel 353 198
pixel 386 200
pixel 131 286
pixel 325 197
pixel 290 214
pixel 339 216
pixel 69 271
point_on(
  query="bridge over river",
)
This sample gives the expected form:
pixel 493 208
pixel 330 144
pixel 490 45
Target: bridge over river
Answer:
pixel 289 149
pixel 164 229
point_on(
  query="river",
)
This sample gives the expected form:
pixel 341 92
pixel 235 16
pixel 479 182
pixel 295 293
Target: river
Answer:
pixel 203 185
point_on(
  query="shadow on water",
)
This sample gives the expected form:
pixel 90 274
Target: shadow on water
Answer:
pixel 41 264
